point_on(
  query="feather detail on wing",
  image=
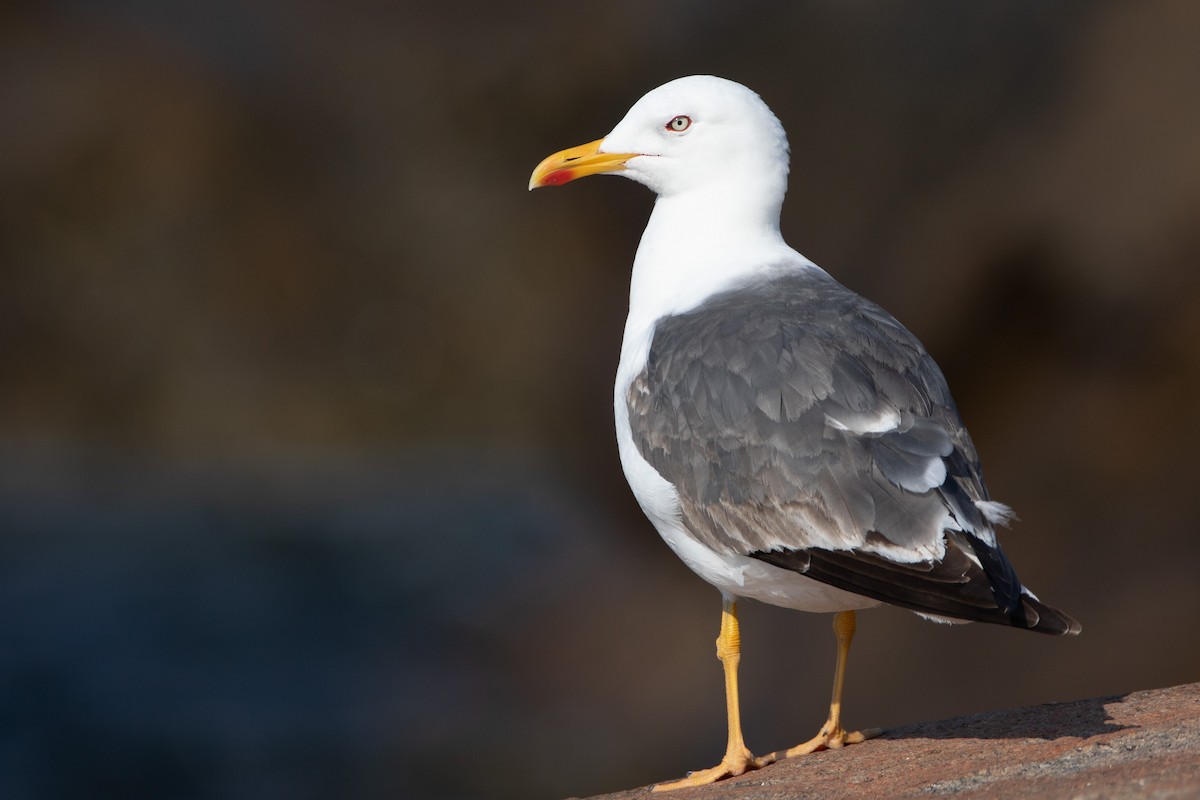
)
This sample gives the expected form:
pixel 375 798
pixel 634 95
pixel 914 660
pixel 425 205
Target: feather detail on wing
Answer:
pixel 802 425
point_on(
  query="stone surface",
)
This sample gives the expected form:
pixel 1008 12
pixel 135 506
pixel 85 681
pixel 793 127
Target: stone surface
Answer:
pixel 1139 745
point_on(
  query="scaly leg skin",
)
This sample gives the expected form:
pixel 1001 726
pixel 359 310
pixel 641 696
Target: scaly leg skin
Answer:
pixel 832 735
pixel 737 758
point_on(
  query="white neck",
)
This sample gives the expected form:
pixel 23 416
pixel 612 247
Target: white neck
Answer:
pixel 696 244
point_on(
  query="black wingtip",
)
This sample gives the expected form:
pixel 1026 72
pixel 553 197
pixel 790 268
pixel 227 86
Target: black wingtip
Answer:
pixel 1047 619
pixel 954 587
pixel 1022 609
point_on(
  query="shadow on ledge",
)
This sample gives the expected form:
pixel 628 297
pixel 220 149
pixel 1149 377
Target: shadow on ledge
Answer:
pixel 1080 719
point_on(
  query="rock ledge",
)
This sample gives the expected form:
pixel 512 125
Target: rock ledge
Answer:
pixel 1139 745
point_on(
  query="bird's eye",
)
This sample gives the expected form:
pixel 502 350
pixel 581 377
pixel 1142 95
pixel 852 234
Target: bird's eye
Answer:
pixel 679 124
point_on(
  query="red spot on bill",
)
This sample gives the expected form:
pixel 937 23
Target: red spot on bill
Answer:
pixel 558 177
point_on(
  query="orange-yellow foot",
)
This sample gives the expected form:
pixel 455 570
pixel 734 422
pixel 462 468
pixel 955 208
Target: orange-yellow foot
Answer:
pixel 829 738
pixel 731 766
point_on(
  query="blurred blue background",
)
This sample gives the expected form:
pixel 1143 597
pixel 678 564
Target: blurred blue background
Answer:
pixel 308 485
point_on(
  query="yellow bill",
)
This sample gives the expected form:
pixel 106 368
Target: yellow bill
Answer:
pixel 577 162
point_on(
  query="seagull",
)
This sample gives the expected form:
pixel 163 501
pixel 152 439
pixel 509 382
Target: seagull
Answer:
pixel 790 440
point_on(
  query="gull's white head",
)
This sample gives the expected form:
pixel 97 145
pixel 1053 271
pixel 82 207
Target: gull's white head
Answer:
pixel 699 133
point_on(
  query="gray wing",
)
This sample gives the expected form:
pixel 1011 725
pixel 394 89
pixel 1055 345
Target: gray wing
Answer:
pixel 803 425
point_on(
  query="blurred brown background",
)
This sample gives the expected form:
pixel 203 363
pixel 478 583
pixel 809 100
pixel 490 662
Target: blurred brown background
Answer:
pixel 308 485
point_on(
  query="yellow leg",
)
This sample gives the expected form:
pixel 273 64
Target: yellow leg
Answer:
pixel 832 735
pixel 737 758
